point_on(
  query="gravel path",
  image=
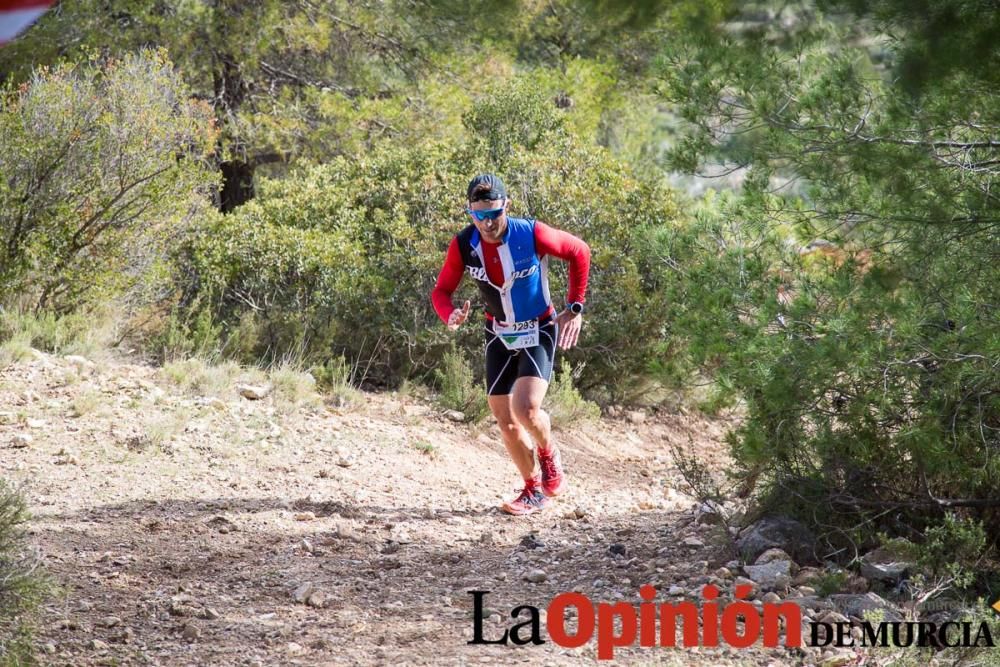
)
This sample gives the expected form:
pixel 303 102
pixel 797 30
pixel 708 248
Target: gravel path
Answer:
pixel 191 528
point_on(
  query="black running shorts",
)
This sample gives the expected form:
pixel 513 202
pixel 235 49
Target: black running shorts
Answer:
pixel 504 366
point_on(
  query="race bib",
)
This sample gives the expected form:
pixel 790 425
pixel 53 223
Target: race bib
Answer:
pixel 518 335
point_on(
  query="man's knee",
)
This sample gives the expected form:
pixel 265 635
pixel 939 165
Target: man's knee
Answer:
pixel 508 426
pixel 528 412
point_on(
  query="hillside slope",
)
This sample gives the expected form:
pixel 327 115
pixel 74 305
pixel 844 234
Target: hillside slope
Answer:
pixel 183 526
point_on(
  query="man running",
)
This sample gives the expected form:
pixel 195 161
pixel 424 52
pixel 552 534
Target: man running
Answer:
pixel 508 259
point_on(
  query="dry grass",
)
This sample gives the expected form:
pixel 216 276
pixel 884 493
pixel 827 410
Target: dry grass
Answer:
pixel 201 378
pixel 161 428
pixel 17 348
pixel 293 389
pixel 90 334
pixel 87 401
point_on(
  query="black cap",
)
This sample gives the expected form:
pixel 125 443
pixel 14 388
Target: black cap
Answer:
pixel 497 188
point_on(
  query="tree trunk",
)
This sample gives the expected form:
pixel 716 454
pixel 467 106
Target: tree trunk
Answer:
pixel 237 174
pixel 237 184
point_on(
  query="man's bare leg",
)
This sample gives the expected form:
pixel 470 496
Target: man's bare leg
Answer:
pixel 526 404
pixel 515 438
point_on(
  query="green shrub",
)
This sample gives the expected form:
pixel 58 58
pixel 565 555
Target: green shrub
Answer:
pixel 101 163
pixel 866 378
pixel 830 582
pixel 458 388
pixel 340 259
pixel 954 549
pixel 188 333
pixel 85 332
pixel 22 586
pixel 565 404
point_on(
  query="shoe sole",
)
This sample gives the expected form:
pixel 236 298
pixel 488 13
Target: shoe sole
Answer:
pixel 507 510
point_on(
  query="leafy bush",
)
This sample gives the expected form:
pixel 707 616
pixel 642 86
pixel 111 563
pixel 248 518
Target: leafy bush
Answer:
pixel 101 164
pixel 340 259
pixel 83 332
pixel 22 587
pixel 847 298
pixel 867 379
pixel 565 403
pixel 459 389
pixel 954 550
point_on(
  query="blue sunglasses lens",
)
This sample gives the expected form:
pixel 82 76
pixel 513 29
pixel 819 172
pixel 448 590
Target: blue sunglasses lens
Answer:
pixel 486 215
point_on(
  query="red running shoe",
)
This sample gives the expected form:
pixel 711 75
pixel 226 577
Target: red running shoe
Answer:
pixel 553 479
pixel 530 500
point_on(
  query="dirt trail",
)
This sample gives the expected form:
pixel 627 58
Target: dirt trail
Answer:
pixel 181 526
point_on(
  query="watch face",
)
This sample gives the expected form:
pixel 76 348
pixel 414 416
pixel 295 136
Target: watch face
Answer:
pixel 576 308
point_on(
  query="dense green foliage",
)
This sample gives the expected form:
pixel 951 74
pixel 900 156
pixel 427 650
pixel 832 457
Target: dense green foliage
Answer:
pixel 340 260
pixel 840 291
pixel 98 162
pixel 21 584
pixel 867 361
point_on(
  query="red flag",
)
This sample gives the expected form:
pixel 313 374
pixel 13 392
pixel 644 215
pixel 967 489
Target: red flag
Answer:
pixel 17 15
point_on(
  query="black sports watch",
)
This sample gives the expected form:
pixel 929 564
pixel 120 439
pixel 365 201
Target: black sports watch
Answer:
pixel 576 307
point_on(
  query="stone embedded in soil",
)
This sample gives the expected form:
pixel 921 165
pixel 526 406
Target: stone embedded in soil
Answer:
pixel 772 555
pixel 254 392
pixel 693 542
pixel 98 645
pixel 221 524
pixel 302 593
pixel 618 549
pixel 66 458
pixel 858 605
pixel 305 516
pixel 317 599
pixel 80 362
pixel 772 575
pixel 401 535
pixel 837 659
pixel 21 440
pixel 344 458
pixel 125 636
pixel 455 415
pixel 781 532
pixel 191 632
pixel 536 576
pixel 807 575
pixel 109 621
pixel 531 541
pixel 636 417
pixel 880 565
